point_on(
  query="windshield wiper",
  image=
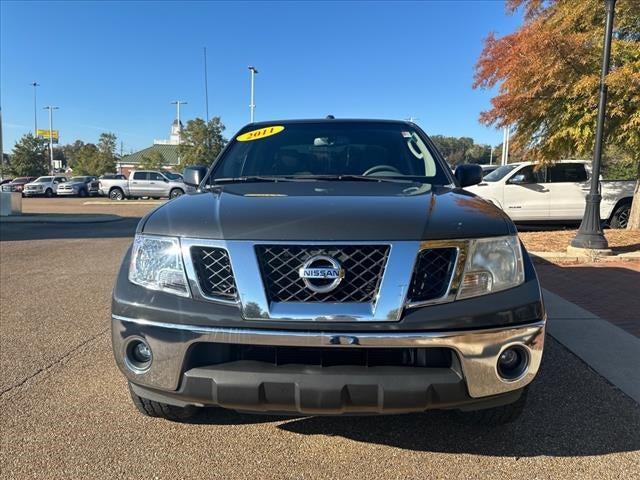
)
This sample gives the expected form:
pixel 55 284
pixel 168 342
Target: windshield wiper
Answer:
pixel 250 178
pixel 351 178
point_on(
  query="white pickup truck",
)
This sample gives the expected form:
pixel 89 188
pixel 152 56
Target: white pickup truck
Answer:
pixel 554 194
pixel 144 183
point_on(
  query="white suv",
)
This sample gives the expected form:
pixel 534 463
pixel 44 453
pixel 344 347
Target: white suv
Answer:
pixel 46 186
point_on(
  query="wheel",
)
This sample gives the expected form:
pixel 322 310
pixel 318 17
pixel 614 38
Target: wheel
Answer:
pixel 48 193
pixel 116 194
pixel 82 193
pixel 176 192
pixel 495 416
pixel 151 408
pixel 620 217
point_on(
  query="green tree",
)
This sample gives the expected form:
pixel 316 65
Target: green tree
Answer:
pixel 87 160
pixel 153 160
pixel 201 142
pixel 107 154
pixel 72 151
pixel 547 73
pixel 28 158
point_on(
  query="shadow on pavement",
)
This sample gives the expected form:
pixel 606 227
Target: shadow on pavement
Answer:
pixel 571 411
pixel 124 227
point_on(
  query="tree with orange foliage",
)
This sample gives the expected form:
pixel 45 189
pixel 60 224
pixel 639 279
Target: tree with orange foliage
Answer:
pixel 547 73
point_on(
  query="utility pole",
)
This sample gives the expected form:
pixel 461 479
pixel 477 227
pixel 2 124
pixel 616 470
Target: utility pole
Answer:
pixel 206 87
pixel 252 105
pixel 1 147
pixel 35 85
pixel 590 233
pixel 490 155
pixel 51 108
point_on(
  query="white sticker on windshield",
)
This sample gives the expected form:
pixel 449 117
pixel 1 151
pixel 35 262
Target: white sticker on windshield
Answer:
pixel 406 134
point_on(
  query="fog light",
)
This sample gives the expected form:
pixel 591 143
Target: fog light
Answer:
pixel 513 363
pixel 138 355
pixel 141 352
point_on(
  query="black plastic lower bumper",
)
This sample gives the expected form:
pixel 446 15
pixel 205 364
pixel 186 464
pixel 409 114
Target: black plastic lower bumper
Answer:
pixel 297 389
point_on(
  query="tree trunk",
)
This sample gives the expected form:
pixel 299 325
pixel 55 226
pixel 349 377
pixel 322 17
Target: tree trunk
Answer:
pixel 634 217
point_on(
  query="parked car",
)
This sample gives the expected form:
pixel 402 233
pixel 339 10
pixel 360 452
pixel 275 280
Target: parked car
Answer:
pixel 487 169
pixel 329 267
pixel 46 186
pixel 82 186
pixel 17 184
pixel 112 176
pixel 5 180
pixel 554 194
pixel 143 183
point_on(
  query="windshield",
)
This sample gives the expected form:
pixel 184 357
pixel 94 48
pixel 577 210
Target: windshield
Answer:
pixel 21 179
pixel 172 176
pixel 44 179
pixel 325 149
pixel 79 179
pixel 499 173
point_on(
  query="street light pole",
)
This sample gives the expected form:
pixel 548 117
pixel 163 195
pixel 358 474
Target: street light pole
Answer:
pixel 35 85
pixel 252 105
pixel 51 108
pixel 590 233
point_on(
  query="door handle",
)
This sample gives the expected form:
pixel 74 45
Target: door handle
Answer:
pixel 152 183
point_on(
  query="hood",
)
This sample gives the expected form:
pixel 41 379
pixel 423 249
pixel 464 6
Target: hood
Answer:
pixel 328 211
pixel 72 184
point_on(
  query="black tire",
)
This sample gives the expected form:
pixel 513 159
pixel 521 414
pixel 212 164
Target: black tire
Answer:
pixel 620 217
pixel 48 193
pixel 82 193
pixel 176 192
pixel 116 194
pixel 495 416
pixel 151 408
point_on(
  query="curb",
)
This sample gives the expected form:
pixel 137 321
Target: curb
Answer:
pixel 120 202
pixel 563 257
pixel 60 218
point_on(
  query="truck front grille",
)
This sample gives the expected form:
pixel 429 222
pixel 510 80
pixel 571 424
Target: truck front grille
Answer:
pixel 213 269
pixel 204 354
pixel 432 274
pixel 363 266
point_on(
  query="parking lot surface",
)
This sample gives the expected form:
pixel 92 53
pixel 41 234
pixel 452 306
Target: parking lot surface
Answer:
pixel 65 411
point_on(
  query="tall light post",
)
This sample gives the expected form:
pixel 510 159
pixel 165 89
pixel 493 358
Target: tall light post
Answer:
pixel 590 233
pixel 35 85
pixel 51 108
pixel 252 105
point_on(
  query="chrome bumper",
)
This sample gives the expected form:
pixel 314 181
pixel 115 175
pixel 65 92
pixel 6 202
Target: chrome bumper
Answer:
pixel 477 350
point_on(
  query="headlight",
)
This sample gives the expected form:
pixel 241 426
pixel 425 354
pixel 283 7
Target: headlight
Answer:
pixel 493 264
pixel 156 263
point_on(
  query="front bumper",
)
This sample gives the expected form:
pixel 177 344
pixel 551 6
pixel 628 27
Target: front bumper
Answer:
pixel 470 382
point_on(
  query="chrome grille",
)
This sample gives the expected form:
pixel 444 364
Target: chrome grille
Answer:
pixel 214 273
pixel 432 273
pixel 363 266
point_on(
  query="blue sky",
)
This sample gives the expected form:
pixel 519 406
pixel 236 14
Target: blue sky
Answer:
pixel 116 66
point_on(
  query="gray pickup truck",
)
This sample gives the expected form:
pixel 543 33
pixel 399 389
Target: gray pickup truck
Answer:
pixel 143 183
pixel 329 267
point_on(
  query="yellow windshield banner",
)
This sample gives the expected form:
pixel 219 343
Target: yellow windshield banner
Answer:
pixel 259 134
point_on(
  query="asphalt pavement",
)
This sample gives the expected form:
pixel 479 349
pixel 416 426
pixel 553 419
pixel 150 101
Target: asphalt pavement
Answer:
pixel 65 410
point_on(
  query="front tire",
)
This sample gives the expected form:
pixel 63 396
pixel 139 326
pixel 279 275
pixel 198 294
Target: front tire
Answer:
pixel 493 417
pixel 48 193
pixel 620 218
pixel 82 193
pixel 175 193
pixel 116 194
pixel 151 408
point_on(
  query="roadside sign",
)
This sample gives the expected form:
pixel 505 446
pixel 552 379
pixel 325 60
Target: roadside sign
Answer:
pixel 44 134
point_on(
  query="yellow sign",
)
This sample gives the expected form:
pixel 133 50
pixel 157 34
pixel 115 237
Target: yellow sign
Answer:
pixel 261 133
pixel 45 134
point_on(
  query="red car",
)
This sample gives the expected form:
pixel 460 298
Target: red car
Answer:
pixel 17 184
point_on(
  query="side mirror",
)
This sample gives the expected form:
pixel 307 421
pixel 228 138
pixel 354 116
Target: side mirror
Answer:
pixel 518 179
pixel 193 176
pixel 468 175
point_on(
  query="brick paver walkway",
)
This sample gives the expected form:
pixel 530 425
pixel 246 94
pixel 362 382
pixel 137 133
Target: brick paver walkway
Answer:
pixel 608 290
